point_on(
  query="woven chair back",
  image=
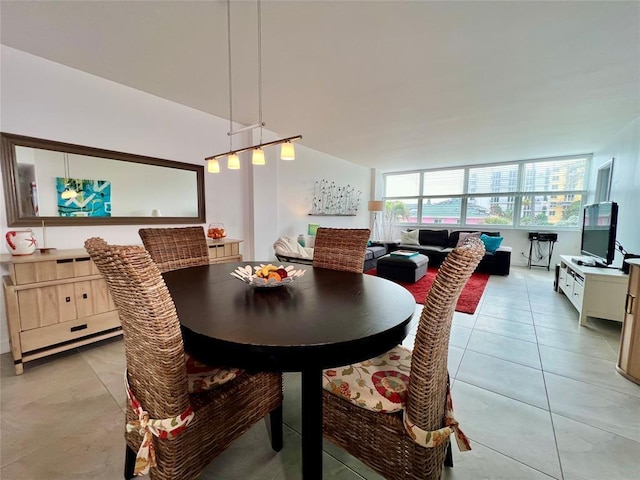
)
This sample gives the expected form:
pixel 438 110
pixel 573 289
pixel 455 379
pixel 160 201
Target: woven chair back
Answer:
pixel 341 248
pixel 151 329
pixel 428 377
pixel 174 248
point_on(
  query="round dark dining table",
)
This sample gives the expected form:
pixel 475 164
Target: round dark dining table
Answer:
pixel 326 318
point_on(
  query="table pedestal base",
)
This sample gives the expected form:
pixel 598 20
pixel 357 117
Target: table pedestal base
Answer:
pixel 312 423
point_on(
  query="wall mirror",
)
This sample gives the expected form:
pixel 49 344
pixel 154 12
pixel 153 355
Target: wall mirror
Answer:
pixel 66 184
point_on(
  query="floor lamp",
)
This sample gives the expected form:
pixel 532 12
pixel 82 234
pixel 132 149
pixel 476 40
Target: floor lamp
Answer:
pixel 375 206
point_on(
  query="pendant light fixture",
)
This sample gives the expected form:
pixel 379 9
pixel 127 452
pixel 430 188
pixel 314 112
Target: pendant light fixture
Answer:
pixel 68 192
pixel 287 151
pixel 233 161
pixel 257 157
pixel 213 166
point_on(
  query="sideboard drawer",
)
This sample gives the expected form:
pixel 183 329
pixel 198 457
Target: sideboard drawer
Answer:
pixel 34 272
pixel 66 331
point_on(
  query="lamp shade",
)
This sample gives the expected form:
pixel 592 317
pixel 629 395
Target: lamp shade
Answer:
pixel 287 152
pixel 312 229
pixel 233 161
pixel 376 205
pixel 213 166
pixel 257 158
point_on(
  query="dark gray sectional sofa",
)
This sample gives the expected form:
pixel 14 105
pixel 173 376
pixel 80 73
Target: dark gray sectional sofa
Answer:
pixel 371 256
pixel 436 244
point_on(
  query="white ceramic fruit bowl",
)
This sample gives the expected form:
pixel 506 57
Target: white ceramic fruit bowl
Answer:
pixel 248 275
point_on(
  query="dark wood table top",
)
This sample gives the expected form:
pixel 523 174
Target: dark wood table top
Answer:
pixel 325 318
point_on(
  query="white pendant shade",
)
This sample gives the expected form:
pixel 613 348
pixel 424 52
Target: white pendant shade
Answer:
pixel 213 166
pixel 67 194
pixel 287 151
pixel 257 157
pixel 233 162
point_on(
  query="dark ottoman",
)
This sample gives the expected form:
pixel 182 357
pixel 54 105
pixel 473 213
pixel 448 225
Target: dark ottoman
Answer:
pixel 403 269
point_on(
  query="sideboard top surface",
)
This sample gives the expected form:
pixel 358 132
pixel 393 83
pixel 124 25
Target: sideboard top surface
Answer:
pixel 43 257
pixel 62 254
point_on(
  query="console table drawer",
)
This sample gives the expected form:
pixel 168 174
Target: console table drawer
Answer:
pixel 66 331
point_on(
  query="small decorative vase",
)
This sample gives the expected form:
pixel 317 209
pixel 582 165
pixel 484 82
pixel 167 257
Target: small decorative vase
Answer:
pixel 20 242
pixel 216 231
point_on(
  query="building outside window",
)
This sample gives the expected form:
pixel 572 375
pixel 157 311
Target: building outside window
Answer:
pixel 526 193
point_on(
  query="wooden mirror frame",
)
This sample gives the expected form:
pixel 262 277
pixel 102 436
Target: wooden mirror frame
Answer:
pixel 9 176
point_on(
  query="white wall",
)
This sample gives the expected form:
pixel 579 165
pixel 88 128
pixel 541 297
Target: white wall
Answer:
pixel 43 99
pixel 295 202
pixel 625 184
pixel 293 195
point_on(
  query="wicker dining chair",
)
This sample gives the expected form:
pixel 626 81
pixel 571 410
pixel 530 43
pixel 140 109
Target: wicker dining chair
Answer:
pixel 393 412
pixel 160 383
pixel 174 248
pixel 341 248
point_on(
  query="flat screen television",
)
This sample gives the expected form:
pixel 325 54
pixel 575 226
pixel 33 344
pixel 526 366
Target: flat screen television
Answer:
pixel 599 223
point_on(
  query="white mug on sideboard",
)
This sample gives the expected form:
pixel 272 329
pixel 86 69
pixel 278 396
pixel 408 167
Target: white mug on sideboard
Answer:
pixel 20 242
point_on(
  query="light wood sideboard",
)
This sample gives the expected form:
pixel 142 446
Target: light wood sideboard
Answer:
pixel 54 302
pixel 224 250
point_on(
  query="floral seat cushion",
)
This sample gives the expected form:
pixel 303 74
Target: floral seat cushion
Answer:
pixel 379 384
pixel 202 377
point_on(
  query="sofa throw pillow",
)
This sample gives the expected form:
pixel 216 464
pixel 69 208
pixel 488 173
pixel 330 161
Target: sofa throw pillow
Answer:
pixel 491 244
pixel 465 235
pixel 409 237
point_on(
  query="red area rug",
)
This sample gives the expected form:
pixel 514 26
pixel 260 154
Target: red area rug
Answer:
pixel 469 298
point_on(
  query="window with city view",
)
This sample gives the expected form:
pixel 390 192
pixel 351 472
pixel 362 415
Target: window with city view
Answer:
pixel 527 193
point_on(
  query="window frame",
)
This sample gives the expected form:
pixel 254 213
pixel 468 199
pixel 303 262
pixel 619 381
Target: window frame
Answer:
pixel 603 181
pixel 518 194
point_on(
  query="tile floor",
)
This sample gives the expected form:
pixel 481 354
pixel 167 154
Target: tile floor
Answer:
pixel 537 394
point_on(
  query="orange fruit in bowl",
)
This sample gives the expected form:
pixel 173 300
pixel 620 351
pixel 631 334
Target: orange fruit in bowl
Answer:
pixel 275 276
pixel 216 233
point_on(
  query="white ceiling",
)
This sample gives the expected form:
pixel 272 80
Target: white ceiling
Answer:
pixel 393 85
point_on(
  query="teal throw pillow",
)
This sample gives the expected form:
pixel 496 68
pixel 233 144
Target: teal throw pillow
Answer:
pixel 491 244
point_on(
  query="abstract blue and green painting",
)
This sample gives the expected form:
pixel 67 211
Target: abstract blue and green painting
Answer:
pixel 79 197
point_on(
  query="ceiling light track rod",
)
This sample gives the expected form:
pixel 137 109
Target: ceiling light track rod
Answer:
pixel 260 145
pixel 244 129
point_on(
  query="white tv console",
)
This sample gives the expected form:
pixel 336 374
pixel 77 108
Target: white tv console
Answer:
pixel 595 292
